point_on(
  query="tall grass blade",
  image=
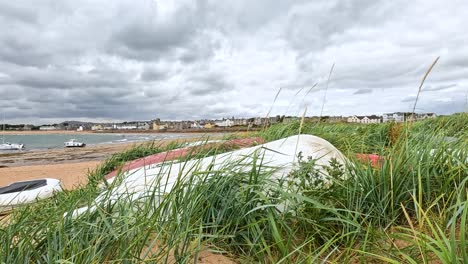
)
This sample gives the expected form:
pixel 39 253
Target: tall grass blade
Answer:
pixel 326 89
pixel 422 83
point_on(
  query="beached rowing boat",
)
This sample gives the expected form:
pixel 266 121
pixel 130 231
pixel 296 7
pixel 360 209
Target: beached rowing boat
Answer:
pixel 26 192
pixel 159 178
pixel 181 153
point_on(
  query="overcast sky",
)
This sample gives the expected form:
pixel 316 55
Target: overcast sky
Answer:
pixel 142 59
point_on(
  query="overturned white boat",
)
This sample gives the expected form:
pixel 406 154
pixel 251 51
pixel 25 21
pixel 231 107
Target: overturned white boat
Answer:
pixel 158 179
pixel 26 192
pixel 72 143
pixel 11 146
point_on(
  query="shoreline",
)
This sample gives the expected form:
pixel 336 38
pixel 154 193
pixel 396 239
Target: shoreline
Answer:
pixel 114 139
pixel 97 152
pixel 95 145
pixel 40 132
pixel 150 131
pixel 70 165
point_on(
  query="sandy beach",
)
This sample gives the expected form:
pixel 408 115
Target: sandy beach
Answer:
pixel 69 165
pixel 70 174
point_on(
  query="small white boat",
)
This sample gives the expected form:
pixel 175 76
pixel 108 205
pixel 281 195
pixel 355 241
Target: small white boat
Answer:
pixel 72 143
pixel 11 146
pixel 26 192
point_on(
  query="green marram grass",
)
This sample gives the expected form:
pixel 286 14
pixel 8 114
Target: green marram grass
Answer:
pixel 411 209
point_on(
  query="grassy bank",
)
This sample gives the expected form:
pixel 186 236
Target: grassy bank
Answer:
pixel 412 208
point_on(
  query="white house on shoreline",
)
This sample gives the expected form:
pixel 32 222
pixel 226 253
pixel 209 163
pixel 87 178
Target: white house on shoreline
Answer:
pixel 372 119
pixel 389 117
pixel 406 116
pixel 394 117
pixel 225 123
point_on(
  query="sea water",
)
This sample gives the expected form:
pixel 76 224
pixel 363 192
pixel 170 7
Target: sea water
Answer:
pixel 53 141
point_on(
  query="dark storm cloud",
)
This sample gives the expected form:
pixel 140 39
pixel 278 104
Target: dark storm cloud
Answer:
pixel 439 87
pixel 22 53
pixel 133 42
pixel 409 98
pixel 445 106
pixel 208 84
pixel 363 91
pixel 152 74
pixel 64 78
pixel 11 10
pixel 152 37
pixel 10 93
pixel 312 27
pixel 149 34
pixel 183 59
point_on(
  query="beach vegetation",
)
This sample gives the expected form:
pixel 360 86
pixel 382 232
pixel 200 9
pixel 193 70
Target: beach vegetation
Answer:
pixel 409 208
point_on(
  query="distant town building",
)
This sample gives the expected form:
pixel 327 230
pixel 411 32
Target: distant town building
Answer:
pixel 406 116
pixel 124 127
pixel 97 127
pixel 262 121
pixel 28 127
pixel 159 126
pixel 420 116
pixel 240 122
pixel 209 125
pixel 180 125
pixel 80 128
pixel 47 128
pixel 225 123
pixel 394 117
pixel 335 119
pixel 196 125
pixel 143 125
pixel 354 119
pixel 372 119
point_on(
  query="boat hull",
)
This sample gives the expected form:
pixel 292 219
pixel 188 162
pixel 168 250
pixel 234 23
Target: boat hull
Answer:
pixel 8 146
pixel 159 178
pixel 180 153
pixel 23 193
pixel 76 146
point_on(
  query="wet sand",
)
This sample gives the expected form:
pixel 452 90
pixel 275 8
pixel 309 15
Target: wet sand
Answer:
pixel 70 165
